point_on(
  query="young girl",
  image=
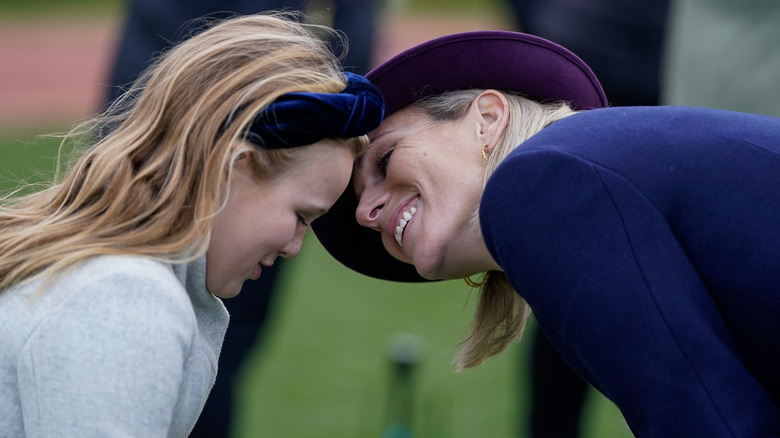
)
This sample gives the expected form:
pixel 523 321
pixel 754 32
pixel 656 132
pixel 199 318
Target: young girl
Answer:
pixel 207 170
pixel 645 239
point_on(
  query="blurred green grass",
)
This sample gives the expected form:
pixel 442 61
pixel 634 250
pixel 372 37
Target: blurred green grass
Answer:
pixel 15 9
pixel 323 371
pixel 26 159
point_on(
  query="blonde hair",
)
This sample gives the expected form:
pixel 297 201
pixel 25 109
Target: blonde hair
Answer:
pixel 501 313
pixel 156 173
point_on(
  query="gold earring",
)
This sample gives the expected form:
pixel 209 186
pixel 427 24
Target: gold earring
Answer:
pixel 484 155
pixel 475 284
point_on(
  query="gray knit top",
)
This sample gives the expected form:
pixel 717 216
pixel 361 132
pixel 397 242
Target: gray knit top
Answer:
pixel 120 346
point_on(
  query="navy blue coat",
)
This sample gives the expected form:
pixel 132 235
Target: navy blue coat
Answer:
pixel 647 242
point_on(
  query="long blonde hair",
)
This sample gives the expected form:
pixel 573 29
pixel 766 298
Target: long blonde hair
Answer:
pixel 501 313
pixel 154 178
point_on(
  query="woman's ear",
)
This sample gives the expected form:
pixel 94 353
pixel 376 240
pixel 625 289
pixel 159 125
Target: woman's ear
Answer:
pixel 492 112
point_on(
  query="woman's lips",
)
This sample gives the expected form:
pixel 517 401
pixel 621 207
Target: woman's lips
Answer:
pixel 396 224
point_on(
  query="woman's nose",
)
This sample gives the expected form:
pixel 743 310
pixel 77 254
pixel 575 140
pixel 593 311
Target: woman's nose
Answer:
pixel 369 210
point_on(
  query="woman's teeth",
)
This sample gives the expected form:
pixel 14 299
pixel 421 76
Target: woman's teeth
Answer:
pixel 399 230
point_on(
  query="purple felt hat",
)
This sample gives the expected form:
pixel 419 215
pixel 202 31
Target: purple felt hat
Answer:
pixel 533 66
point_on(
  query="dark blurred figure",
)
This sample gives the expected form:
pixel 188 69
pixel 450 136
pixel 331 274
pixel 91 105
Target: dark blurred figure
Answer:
pixel 724 54
pixel 150 27
pixel 622 41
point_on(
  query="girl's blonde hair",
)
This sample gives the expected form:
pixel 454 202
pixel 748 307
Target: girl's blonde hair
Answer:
pixel 501 313
pixel 156 173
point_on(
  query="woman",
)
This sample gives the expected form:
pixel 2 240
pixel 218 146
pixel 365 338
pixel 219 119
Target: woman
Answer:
pixel 645 239
pixel 211 167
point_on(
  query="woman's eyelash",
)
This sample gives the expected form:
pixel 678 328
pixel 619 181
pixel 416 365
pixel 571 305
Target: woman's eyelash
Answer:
pixel 382 160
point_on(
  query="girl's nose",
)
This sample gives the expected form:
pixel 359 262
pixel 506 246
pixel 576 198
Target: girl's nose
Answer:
pixel 294 246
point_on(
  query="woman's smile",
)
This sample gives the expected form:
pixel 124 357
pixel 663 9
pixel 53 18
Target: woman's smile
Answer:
pixel 399 221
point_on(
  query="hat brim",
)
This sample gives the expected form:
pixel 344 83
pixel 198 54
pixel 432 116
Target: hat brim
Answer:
pixel 502 60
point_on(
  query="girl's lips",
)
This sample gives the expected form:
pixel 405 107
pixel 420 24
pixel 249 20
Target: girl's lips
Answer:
pixel 258 271
pixel 259 268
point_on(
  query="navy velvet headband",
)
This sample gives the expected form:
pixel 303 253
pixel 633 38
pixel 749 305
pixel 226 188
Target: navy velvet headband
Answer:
pixel 298 119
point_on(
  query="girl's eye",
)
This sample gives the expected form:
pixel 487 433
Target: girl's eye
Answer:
pixel 383 160
pixel 302 220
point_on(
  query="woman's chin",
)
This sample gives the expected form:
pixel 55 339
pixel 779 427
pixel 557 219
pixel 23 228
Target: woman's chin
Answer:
pixel 428 270
pixel 438 268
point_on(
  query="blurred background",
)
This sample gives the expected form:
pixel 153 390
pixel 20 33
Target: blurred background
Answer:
pixel 323 368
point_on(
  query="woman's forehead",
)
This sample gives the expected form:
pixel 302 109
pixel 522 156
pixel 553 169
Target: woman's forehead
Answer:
pixel 400 124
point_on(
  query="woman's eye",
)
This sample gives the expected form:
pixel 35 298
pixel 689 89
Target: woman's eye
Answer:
pixel 383 160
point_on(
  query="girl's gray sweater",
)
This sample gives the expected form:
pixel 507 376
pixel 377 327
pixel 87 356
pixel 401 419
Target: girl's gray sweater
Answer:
pixel 120 346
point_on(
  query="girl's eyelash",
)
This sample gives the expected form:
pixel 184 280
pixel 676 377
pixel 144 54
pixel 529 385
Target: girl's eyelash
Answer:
pixel 302 220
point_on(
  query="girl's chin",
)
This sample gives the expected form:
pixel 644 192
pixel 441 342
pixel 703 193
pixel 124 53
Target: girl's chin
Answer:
pixel 226 291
